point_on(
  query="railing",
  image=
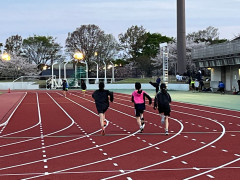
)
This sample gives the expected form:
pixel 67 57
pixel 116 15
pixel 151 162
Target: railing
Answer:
pixel 223 49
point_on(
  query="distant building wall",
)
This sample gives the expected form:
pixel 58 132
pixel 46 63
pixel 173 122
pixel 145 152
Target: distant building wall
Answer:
pixel 224 61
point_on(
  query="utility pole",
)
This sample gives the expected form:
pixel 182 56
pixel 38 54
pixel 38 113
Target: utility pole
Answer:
pixel 181 37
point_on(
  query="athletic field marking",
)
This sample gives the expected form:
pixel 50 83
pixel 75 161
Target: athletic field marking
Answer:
pixel 114 171
pixel 118 156
pixel 168 160
pixel 76 152
pixel 201 109
pixel 25 128
pixel 207 110
pixel 5 123
pixel 41 135
pixel 210 176
pixel 213 169
pixel 46 134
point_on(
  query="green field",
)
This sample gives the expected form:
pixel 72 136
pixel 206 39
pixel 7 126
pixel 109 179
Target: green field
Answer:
pixel 227 101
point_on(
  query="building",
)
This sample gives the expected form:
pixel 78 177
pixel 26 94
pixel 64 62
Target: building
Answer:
pixel 224 61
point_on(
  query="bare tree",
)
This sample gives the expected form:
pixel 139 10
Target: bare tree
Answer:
pixel 89 39
pixel 85 39
pixel 41 49
pixel 209 35
pixel 14 44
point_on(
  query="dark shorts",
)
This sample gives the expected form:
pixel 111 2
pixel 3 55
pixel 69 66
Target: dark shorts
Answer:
pixel 102 110
pixel 65 89
pixel 139 109
pixel 166 111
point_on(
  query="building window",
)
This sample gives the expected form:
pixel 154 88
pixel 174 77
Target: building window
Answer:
pixel 219 62
pixel 237 60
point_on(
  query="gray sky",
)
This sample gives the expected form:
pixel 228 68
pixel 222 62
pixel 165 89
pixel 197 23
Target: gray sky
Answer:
pixel 58 17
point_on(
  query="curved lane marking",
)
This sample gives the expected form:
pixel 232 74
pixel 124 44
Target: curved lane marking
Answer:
pixel 5 123
pixel 31 139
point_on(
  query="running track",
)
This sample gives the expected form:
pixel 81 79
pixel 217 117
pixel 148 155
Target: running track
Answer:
pixel 47 136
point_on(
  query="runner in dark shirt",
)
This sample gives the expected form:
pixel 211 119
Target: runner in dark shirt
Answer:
pixel 101 97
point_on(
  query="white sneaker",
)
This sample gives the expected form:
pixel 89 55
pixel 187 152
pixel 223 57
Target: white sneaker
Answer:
pixel 141 129
pixel 163 120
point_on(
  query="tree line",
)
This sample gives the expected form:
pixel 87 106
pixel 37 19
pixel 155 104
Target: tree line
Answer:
pixel 136 50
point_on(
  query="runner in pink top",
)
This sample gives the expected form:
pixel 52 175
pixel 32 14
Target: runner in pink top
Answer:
pixel 138 98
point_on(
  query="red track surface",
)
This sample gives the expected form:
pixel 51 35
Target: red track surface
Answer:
pixel 51 137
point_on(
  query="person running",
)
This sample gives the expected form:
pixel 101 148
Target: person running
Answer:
pixel 64 87
pixel 156 85
pixel 162 102
pixel 138 98
pixel 83 87
pixel 101 97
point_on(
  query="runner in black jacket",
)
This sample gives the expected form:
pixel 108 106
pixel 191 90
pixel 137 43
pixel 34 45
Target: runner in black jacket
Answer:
pixel 101 97
pixel 162 102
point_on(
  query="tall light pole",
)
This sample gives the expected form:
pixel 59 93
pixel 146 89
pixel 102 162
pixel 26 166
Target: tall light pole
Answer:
pixel 79 57
pixel 53 75
pixel 113 79
pixel 105 74
pixel 181 37
pixel 97 79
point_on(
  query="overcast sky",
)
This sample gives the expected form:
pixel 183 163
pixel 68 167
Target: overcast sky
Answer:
pixel 58 17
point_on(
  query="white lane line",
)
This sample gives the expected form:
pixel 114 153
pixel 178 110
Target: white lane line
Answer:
pixel 122 171
pixel 46 134
pixel 210 176
pixel 57 144
pixel 184 162
pixel 195 168
pixel 115 164
pixel 168 160
pixel 213 169
pixel 209 111
pixel 197 109
pixel 76 152
pixel 204 146
pixel 224 150
pixel 115 157
pixel 128 178
pixel 165 152
pixel 5 123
